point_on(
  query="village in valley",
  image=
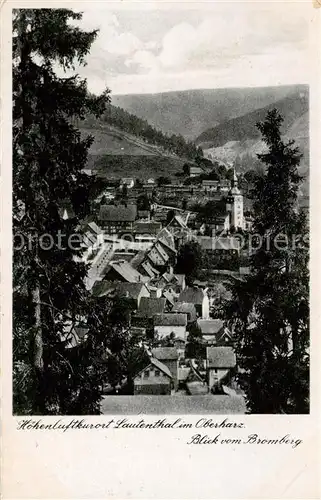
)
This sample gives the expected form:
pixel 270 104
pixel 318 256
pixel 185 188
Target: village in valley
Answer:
pixel 160 224
pixel 134 243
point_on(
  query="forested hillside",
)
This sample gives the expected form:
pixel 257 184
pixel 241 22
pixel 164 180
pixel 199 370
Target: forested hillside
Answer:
pixel 127 122
pixel 191 112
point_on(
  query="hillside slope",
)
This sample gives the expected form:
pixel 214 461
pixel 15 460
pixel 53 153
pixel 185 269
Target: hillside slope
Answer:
pixel 292 108
pixel 115 154
pixel 243 153
pixel 190 112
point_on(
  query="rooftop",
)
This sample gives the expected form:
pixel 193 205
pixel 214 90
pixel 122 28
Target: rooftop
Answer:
pixel 210 326
pixel 170 319
pixel 192 295
pixel 117 213
pixel 219 243
pixel 150 227
pixel 149 306
pixel 127 271
pixel 158 364
pixel 165 353
pixel 220 357
pixel 165 236
pixel 185 307
pixel 210 183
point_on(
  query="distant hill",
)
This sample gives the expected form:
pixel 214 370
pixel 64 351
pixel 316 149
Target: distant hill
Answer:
pixel 292 108
pixel 191 112
pixel 238 141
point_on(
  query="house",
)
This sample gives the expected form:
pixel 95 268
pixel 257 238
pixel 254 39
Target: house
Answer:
pixel 128 182
pixel 147 269
pixel 200 227
pixel 225 185
pixel 172 282
pixel 154 290
pixel 92 235
pixel 195 171
pixel 133 291
pixel 185 308
pixel 209 186
pixel 176 223
pixel 214 332
pixel 169 357
pixel 149 306
pixel 221 223
pixel 219 363
pixel 162 251
pixel 219 244
pixel 143 214
pixel 151 181
pixel 147 228
pixel 154 379
pixel 199 298
pixel 170 323
pixel 121 270
pixel 116 219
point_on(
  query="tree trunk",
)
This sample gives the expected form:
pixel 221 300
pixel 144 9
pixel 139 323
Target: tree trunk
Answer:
pixel 38 343
pixel 39 406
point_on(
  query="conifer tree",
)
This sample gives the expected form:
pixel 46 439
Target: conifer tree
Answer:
pixel 269 311
pixel 48 157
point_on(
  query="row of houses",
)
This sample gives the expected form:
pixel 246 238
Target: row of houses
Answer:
pixel 163 373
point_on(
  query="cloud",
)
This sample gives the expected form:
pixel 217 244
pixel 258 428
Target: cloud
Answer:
pixel 245 44
pixel 123 44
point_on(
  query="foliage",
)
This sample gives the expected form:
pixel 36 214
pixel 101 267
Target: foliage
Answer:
pixel 48 157
pixel 190 261
pixel 124 349
pixel 162 181
pixel 130 123
pixel 143 202
pixel 170 216
pixel 269 311
pixel 195 347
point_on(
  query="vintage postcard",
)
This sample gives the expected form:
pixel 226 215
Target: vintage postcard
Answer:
pixel 159 255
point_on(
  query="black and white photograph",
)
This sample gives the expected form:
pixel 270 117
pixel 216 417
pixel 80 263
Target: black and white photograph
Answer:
pixel 160 209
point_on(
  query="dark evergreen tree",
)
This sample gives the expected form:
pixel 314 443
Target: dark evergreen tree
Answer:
pixel 269 312
pixel 190 261
pixel 48 157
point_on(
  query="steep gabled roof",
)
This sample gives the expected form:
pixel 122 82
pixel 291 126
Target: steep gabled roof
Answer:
pixel 166 238
pixel 94 228
pixel 220 357
pixel 185 307
pixel 128 272
pixel 149 306
pixel 156 364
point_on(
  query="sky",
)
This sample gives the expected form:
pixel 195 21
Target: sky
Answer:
pixel 187 46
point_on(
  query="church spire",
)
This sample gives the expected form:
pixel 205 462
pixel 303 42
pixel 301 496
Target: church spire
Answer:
pixel 235 181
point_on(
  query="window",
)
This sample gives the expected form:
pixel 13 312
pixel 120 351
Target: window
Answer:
pixel 146 374
pixel 157 373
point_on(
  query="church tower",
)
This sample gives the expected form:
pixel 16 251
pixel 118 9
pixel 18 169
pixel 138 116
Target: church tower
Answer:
pixel 234 205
